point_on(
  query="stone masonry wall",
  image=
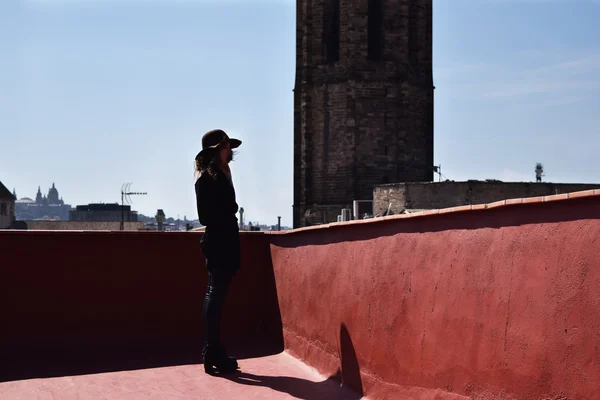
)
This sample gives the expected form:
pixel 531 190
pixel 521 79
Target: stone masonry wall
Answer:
pixel 360 121
pixel 428 196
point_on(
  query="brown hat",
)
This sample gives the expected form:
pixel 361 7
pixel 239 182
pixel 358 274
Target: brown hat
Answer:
pixel 215 138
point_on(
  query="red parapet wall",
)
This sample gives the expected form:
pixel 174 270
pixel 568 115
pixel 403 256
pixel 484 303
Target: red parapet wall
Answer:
pixel 82 290
pixel 490 302
pixel 497 302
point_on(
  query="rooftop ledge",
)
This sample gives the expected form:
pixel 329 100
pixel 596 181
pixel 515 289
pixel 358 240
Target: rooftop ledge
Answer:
pixel 451 307
pixel 472 207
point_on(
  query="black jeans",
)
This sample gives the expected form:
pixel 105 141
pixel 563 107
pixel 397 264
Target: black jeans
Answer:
pixel 217 288
pixel 221 248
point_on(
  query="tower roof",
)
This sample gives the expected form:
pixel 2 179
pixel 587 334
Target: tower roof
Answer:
pixel 5 193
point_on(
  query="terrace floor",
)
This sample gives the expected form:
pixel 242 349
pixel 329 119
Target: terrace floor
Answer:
pixel 277 376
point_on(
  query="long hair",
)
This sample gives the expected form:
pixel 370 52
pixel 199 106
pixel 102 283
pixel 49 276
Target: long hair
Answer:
pixel 207 162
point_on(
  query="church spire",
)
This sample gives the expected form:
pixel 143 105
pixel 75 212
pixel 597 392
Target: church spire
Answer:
pixel 38 196
pixel 53 196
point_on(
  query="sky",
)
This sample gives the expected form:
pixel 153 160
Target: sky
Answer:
pixel 96 93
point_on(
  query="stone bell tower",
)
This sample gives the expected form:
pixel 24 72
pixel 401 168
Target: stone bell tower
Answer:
pixel 363 101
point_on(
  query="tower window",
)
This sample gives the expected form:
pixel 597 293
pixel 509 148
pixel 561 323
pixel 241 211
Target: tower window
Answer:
pixel 413 29
pixel 331 31
pixel 376 31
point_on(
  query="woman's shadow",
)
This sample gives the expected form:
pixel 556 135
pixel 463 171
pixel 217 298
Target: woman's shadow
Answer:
pixel 345 384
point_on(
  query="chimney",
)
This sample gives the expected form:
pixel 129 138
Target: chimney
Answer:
pixel 241 217
pixel 160 219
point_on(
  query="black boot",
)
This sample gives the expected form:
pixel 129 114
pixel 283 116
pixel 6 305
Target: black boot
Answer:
pixel 216 360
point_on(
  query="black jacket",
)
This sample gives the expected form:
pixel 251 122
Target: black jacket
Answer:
pixel 215 200
pixel 217 208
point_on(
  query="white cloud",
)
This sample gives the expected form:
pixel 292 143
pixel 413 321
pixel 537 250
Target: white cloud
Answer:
pixel 560 102
pixel 539 86
pixel 458 69
pixel 572 76
pixel 589 63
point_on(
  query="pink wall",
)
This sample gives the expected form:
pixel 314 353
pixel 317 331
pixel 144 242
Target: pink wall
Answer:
pixel 502 303
pixel 101 289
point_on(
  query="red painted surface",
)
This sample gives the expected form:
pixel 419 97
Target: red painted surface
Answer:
pixel 98 295
pixel 493 304
pixel 266 378
pixel 500 303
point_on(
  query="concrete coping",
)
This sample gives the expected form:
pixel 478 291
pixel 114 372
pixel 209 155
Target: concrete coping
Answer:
pixel 473 207
pixel 105 232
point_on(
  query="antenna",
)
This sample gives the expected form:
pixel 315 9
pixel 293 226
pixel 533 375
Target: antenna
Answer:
pixel 125 193
pixel 438 170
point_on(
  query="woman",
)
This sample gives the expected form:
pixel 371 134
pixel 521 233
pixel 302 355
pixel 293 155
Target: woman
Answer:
pixel 217 208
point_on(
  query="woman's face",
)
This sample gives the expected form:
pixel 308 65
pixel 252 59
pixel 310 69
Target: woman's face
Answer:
pixel 226 154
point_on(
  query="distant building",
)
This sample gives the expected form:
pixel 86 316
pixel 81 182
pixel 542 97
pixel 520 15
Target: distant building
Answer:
pixel 160 219
pixel 81 226
pixel 103 213
pixel 401 198
pixel 49 207
pixel 7 207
